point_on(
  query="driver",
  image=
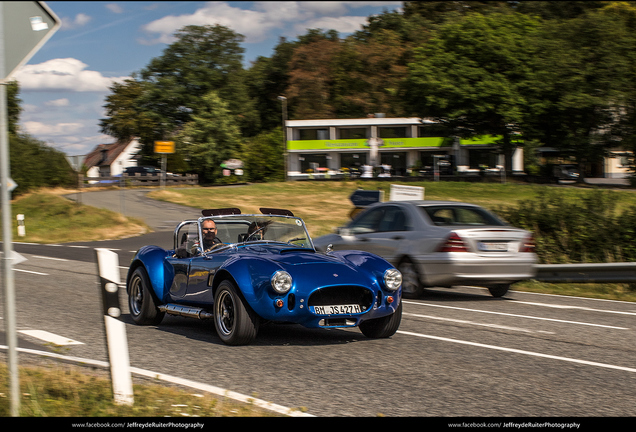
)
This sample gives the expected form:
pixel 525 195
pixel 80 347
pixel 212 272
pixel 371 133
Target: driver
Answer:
pixel 210 240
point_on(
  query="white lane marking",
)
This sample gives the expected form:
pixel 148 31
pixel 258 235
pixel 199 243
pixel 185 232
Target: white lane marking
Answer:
pixel 478 324
pixel 518 316
pixel 29 271
pixel 573 307
pixel 175 380
pixel 50 337
pixel 79 247
pixel 517 351
pixel 48 258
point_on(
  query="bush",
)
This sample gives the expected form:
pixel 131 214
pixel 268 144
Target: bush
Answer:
pixel 585 227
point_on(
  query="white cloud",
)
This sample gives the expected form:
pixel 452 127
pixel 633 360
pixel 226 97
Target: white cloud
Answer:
pixel 258 24
pixel 80 20
pixel 58 129
pixel 63 74
pixel 252 24
pixel 345 24
pixel 63 102
pixel 114 8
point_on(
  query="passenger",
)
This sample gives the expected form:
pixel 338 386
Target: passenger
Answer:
pixel 255 232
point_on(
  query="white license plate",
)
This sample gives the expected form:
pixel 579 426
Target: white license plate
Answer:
pixel 493 246
pixel 337 309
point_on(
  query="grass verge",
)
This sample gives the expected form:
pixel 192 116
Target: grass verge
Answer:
pixel 50 218
pixel 58 390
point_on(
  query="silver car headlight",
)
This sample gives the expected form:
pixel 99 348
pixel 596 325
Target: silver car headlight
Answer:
pixel 392 279
pixel 281 282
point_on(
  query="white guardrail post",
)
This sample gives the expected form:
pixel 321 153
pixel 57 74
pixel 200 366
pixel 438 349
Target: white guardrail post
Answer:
pixel 116 340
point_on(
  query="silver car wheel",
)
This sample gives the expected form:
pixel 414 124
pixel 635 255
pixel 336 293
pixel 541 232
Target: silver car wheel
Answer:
pixel 224 313
pixel 235 322
pixel 411 286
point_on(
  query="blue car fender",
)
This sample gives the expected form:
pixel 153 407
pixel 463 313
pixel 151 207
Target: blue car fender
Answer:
pixel 252 276
pixel 367 261
pixel 152 258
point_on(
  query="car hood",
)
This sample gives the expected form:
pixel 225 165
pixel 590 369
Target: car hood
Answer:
pixel 293 256
pixel 320 269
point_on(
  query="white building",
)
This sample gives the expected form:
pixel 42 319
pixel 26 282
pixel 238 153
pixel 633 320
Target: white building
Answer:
pixel 108 160
pixel 333 144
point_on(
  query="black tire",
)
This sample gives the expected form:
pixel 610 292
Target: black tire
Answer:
pixel 499 290
pixel 235 322
pixel 141 303
pixel 411 282
pixel 382 327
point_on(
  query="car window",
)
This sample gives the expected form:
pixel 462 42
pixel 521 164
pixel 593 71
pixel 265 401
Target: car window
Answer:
pixel 367 222
pixel 393 219
pixel 459 215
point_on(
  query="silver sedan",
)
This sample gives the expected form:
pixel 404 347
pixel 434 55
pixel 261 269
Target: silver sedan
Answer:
pixel 440 244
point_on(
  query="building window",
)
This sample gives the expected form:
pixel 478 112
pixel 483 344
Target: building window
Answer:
pixel 432 130
pixel 313 134
pixel 312 162
pixel 353 160
pixel 393 132
pixel 397 161
pixel 353 133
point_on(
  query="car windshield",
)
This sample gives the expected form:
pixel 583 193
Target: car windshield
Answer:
pixel 261 228
pixel 460 215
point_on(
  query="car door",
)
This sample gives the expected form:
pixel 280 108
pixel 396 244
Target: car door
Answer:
pixel 201 273
pixel 187 238
pixel 379 231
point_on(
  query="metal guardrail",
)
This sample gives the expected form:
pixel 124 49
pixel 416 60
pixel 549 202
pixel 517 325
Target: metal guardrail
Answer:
pixel 587 273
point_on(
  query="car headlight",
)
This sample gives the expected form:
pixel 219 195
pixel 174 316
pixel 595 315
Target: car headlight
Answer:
pixel 392 279
pixel 281 282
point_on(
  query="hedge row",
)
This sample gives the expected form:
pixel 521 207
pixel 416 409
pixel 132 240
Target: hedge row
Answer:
pixel 577 228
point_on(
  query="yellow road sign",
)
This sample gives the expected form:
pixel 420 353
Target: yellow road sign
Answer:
pixel 164 146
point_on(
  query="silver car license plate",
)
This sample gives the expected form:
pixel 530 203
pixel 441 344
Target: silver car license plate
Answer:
pixel 337 309
pixel 493 246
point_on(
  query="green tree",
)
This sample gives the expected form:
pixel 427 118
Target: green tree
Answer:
pixel 202 59
pixel 268 78
pixel 469 76
pixel 35 164
pixel 310 76
pixel 582 85
pixel 211 137
pixel 13 106
pixel 163 97
pixel 263 156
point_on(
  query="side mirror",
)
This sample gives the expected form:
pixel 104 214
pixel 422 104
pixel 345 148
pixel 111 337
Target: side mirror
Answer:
pixel 344 231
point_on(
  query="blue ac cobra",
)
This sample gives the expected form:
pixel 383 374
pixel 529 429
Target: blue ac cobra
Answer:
pixel 244 270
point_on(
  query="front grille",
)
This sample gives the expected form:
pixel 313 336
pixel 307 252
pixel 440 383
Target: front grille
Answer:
pixel 342 295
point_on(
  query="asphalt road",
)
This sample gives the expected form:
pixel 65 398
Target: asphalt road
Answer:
pixel 458 353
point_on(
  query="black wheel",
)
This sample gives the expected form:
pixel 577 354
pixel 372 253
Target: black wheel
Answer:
pixel 411 284
pixel 141 303
pixel 382 327
pixel 235 322
pixel 499 290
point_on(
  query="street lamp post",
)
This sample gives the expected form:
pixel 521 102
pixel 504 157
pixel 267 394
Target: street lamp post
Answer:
pixel 283 99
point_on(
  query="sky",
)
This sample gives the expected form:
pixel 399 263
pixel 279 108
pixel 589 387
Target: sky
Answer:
pixel 64 85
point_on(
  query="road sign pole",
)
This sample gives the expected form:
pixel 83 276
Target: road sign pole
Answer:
pixel 7 241
pixel 30 25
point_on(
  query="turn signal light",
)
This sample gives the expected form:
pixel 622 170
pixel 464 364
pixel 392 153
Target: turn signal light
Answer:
pixel 454 243
pixel 279 303
pixel 389 299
